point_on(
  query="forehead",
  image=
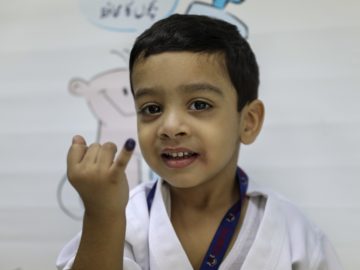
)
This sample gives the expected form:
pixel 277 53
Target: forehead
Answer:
pixel 171 70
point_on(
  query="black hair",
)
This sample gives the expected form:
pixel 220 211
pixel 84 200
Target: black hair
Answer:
pixel 203 34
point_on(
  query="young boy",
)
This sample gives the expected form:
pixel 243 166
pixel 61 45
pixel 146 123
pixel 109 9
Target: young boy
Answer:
pixel 195 84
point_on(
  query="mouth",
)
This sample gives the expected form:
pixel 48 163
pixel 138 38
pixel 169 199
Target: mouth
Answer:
pixel 178 155
pixel 179 159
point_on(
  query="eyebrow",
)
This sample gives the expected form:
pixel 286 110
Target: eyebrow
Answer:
pixel 144 92
pixel 188 88
pixel 201 87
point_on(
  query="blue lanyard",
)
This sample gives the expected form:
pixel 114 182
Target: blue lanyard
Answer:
pixel 221 241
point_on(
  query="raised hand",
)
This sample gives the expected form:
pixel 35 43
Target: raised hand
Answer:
pixel 99 177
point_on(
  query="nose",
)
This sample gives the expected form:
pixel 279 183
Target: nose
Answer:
pixel 173 125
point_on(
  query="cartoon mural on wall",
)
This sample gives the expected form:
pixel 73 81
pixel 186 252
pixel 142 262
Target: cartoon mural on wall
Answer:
pixel 217 10
pixel 108 93
pixel 109 98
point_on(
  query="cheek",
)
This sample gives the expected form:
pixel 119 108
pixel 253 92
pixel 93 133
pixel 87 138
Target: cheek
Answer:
pixel 224 136
pixel 146 137
pixel 143 139
pixel 142 130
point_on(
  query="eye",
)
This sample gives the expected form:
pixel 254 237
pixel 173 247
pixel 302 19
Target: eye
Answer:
pixel 151 109
pixel 199 105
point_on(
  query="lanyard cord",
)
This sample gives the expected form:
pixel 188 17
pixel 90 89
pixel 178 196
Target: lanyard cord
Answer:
pixel 221 241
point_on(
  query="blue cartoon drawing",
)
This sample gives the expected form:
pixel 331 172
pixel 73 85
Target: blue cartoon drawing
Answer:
pixel 217 10
pixel 109 97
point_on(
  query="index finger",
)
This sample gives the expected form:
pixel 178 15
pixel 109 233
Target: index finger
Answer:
pixel 125 154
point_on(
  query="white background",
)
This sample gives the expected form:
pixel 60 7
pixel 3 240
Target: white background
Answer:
pixel 309 150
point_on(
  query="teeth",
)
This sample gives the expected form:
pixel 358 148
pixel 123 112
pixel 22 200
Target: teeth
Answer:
pixel 179 154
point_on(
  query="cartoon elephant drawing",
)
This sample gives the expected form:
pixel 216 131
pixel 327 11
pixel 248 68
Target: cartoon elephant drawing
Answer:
pixel 109 97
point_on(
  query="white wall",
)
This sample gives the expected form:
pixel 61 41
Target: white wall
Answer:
pixel 309 150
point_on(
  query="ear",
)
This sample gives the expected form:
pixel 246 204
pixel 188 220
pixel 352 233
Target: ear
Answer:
pixel 252 117
pixel 78 86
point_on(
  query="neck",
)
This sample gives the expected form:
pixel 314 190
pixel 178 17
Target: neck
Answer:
pixel 214 194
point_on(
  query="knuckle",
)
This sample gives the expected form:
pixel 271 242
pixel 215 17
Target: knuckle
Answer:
pixel 122 162
pixel 110 146
pixel 71 151
pixel 94 145
pixel 80 172
pixel 73 175
pixel 99 171
pixel 70 175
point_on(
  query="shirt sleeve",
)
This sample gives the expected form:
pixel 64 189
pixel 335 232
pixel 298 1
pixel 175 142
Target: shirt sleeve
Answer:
pixel 327 258
pixel 66 258
pixel 67 255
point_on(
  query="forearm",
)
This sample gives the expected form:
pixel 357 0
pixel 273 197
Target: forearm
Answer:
pixel 102 244
pixel 101 182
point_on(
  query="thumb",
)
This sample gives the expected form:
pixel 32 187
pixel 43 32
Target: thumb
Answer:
pixel 126 152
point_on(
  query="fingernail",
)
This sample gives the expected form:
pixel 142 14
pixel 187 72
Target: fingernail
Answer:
pixel 130 144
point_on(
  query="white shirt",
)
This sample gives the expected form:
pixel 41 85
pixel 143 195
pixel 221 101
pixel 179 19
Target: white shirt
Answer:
pixel 284 238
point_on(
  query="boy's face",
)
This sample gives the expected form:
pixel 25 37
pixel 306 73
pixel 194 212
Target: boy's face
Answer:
pixel 188 123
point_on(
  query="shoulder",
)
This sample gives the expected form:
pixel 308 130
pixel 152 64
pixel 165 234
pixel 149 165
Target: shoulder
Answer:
pixel 293 237
pixel 308 245
pixel 296 224
pixel 278 205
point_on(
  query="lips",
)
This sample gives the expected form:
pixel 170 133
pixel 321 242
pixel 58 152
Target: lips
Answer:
pixel 178 157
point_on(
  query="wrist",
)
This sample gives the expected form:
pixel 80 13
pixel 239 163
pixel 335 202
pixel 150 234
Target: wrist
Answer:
pixel 100 218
